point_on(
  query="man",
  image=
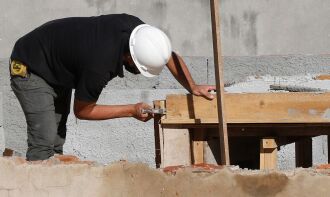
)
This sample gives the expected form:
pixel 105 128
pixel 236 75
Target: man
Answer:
pixel 85 53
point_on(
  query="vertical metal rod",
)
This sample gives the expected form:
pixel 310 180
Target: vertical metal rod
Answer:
pixel 218 65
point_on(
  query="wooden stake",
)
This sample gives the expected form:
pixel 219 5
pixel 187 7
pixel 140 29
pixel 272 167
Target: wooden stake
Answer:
pixel 218 64
pixel 268 154
pixel 198 145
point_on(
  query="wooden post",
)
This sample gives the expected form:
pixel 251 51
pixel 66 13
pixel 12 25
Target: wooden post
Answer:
pixel 218 64
pixel 158 133
pixel 268 154
pixel 198 145
pixel 304 155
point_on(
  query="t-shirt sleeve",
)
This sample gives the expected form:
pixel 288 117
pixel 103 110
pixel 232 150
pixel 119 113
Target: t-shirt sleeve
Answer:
pixel 90 86
pixel 132 21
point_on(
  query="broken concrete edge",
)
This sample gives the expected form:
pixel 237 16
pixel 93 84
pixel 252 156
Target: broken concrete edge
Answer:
pixel 123 178
pixel 170 170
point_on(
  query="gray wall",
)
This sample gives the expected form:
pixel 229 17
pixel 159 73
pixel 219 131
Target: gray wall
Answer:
pixel 2 134
pixel 249 27
pixel 129 139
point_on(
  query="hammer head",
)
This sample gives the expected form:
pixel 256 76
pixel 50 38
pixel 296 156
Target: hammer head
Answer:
pixel 154 111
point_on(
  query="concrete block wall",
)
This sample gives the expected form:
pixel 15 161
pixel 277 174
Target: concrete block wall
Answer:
pixel 127 179
pixel 129 139
pixel 2 134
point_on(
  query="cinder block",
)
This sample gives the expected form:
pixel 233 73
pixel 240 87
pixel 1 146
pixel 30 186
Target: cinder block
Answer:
pixel 233 70
pixel 140 82
pixel 198 70
pixel 238 68
pixel 4 193
pixel 59 174
pixel 14 122
pixel 320 150
pixel 112 140
pixel 2 134
pixel 17 175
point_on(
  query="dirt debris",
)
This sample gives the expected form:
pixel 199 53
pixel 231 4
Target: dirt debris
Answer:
pixel 69 176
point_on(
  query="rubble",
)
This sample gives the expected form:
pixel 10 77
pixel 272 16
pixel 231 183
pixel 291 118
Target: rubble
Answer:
pixel 69 176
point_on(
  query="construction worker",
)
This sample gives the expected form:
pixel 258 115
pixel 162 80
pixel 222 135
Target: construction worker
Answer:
pixel 85 53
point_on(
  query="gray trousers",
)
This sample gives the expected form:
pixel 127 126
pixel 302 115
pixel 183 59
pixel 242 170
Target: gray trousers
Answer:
pixel 46 110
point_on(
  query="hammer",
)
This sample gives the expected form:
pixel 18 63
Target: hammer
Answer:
pixel 154 111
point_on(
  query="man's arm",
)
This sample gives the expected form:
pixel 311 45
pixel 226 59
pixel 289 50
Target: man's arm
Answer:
pixel 92 111
pixel 180 71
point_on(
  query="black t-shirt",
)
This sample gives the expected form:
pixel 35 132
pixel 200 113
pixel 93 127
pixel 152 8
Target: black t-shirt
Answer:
pixel 83 53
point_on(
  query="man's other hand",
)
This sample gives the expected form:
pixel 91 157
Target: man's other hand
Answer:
pixel 204 90
pixel 138 112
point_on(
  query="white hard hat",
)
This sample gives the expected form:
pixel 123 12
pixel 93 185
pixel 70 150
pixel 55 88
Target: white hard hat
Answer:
pixel 150 49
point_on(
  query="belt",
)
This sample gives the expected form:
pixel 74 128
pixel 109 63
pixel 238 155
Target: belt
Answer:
pixel 17 68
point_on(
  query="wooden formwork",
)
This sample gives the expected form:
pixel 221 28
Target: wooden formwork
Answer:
pixel 258 124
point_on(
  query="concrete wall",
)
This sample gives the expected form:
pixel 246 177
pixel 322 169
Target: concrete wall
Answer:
pixel 2 134
pixel 53 179
pixel 249 27
pixel 129 139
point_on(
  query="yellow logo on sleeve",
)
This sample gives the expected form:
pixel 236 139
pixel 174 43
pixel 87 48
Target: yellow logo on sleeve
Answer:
pixel 18 69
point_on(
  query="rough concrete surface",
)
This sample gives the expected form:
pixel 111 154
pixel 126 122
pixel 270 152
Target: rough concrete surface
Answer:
pixel 129 139
pixel 57 177
pixel 2 134
pixel 249 27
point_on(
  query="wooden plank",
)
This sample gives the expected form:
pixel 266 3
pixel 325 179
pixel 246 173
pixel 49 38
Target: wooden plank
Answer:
pixel 262 129
pixel 218 66
pixel 268 154
pixel 322 77
pixel 158 133
pixel 304 155
pixel 198 145
pixel 268 143
pixel 251 108
pixel 176 146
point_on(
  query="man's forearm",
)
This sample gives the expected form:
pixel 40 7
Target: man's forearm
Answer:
pixel 180 71
pixel 103 112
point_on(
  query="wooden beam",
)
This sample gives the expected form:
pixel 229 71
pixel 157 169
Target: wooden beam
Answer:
pixel 158 133
pixel 261 130
pixel 322 77
pixel 198 145
pixel 304 155
pixel 218 64
pixel 268 154
pixel 250 108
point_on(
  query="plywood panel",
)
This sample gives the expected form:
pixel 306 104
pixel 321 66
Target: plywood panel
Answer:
pixel 251 108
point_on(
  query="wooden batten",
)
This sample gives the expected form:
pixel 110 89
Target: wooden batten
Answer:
pixel 250 108
pixel 268 154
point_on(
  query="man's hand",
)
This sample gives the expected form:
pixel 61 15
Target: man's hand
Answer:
pixel 138 112
pixel 203 90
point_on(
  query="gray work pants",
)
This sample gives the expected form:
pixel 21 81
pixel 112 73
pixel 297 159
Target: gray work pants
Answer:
pixel 46 110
